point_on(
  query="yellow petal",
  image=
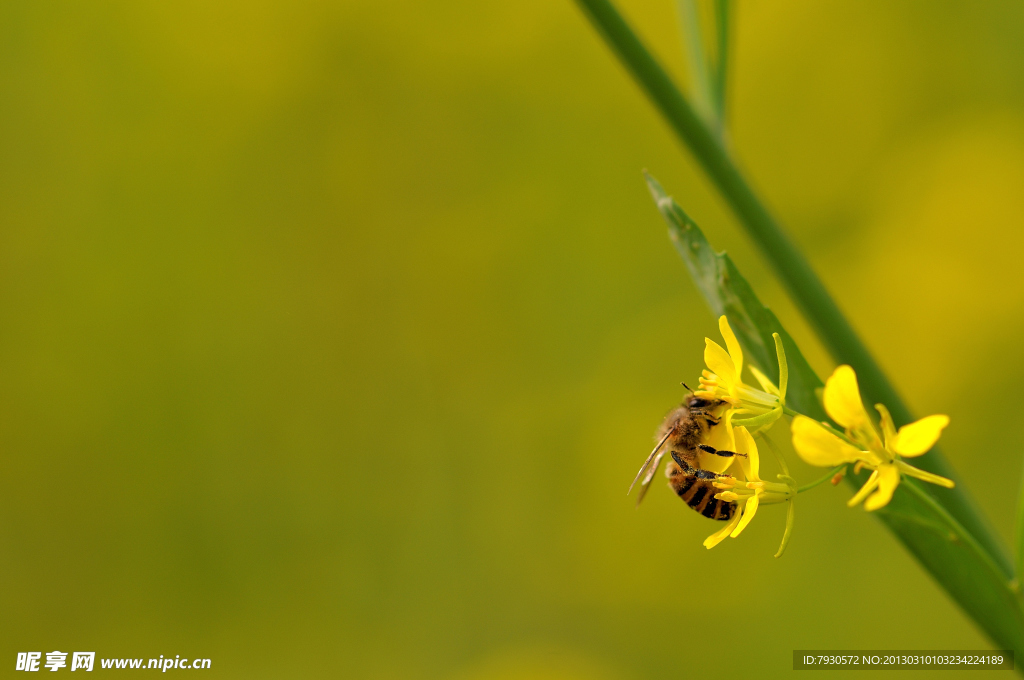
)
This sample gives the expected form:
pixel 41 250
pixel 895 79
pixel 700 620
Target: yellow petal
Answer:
pixel 842 399
pixel 888 427
pixel 924 476
pixel 719 361
pixel 720 535
pixel 735 351
pixel 868 487
pixel 748 514
pixel 818 446
pixel 722 438
pixel 745 444
pixel 918 437
pixel 888 480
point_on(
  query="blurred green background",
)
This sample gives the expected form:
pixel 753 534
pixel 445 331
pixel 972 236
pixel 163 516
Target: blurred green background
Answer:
pixel 331 334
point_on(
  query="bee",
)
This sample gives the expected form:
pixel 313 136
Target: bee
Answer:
pixel 683 435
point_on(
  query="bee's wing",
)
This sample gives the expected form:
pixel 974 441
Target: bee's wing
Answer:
pixel 648 463
pixel 646 484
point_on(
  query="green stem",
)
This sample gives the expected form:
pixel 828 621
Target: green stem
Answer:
pixel 775 451
pixel 721 65
pixel 838 433
pixel 832 473
pixel 842 435
pixel 701 77
pixel 803 284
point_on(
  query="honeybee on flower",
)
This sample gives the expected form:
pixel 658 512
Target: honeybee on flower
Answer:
pixel 713 431
pixel 716 462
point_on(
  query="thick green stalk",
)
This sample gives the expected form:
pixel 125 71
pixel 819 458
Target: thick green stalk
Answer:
pixel 800 280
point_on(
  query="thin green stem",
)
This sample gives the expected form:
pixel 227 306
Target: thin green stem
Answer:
pixel 838 433
pixel 832 473
pixel 842 435
pixel 803 284
pixel 721 64
pixel 701 77
pixel 775 451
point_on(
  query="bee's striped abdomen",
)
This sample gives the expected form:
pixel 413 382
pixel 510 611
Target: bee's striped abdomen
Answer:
pixel 696 488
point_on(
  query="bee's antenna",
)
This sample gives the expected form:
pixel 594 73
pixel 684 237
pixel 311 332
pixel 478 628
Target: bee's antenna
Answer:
pixel 687 387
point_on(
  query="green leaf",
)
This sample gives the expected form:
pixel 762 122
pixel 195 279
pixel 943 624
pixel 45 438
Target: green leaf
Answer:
pixel 942 545
pixel 727 292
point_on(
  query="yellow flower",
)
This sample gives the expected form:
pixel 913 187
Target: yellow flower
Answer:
pixel 758 409
pixel 865 447
pixel 748 493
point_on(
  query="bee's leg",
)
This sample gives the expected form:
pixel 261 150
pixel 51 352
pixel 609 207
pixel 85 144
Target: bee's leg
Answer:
pixel 708 474
pixel 719 452
pixel 689 470
pixel 682 462
pixel 709 419
pixel 706 415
